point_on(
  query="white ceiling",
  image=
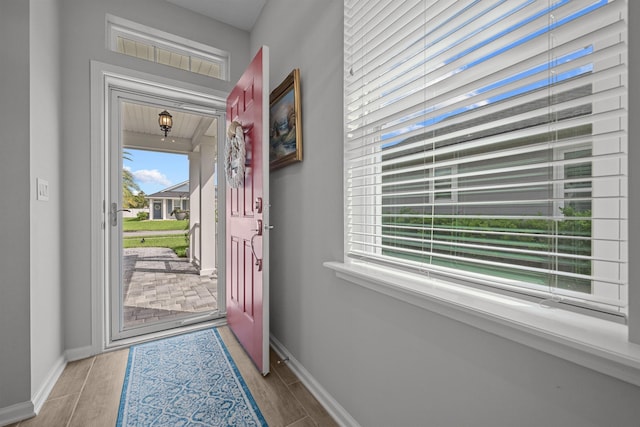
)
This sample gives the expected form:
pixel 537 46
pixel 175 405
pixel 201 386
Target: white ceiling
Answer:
pixel 238 13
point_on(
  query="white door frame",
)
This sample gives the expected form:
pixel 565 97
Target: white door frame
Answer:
pixel 105 79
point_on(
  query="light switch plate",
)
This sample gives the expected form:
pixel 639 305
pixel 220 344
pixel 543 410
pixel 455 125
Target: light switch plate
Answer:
pixel 43 189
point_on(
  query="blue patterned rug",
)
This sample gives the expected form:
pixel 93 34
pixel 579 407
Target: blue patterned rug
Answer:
pixel 187 380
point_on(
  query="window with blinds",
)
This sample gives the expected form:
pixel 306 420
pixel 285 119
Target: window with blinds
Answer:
pixel 485 142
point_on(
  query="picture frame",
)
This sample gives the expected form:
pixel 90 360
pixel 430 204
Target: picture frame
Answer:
pixel 285 122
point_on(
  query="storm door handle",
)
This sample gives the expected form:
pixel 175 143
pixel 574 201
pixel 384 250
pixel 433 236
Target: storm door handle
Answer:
pixel 114 213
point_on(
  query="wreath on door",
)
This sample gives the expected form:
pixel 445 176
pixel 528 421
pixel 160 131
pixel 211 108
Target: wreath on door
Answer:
pixel 235 154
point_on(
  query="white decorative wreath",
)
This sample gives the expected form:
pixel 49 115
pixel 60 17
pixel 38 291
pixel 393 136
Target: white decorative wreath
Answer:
pixel 235 154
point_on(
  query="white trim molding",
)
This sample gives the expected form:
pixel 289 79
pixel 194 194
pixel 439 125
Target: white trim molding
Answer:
pixel 45 389
pixel 105 79
pixel 79 353
pixel 26 410
pixel 158 39
pixel 598 344
pixel 331 405
pixel 17 412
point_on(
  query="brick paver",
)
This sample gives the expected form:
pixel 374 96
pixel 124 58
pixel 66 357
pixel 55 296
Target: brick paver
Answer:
pixel 158 285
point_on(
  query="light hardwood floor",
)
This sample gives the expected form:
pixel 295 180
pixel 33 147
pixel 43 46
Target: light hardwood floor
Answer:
pixel 87 393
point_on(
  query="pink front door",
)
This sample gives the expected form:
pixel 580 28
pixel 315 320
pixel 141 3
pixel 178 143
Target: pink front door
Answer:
pixel 247 279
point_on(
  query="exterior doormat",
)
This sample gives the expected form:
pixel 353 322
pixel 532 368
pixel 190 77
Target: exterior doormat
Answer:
pixel 186 380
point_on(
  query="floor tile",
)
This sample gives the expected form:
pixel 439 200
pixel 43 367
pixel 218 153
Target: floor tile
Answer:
pixel 54 412
pixel 281 369
pixel 95 402
pixel 305 422
pixel 100 399
pixel 311 405
pixel 73 378
pixel 276 402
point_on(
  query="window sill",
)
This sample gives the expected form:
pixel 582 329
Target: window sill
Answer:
pixel 594 343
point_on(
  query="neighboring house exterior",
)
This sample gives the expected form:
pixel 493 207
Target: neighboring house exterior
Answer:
pixel 162 203
pixel 444 209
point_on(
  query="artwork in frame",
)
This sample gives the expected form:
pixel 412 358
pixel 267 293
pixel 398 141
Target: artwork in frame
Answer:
pixel 285 133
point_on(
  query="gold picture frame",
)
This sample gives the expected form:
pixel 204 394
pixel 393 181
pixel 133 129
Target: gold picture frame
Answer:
pixel 285 122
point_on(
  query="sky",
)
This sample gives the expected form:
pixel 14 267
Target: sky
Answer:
pixel 154 171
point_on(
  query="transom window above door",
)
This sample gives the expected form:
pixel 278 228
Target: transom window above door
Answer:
pixel 137 40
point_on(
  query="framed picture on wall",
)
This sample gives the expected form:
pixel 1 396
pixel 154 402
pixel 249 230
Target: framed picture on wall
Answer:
pixel 285 122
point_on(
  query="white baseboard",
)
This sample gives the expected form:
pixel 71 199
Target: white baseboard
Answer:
pixel 339 414
pixel 17 412
pixel 79 353
pixel 25 410
pixel 45 389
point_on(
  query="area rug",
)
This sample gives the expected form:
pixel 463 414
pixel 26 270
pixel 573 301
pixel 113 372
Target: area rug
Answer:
pixel 187 380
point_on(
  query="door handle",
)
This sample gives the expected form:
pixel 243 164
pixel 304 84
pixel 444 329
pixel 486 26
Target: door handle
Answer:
pixel 114 213
pixel 258 232
pixel 258 260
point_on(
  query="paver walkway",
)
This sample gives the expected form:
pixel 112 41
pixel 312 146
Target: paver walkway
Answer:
pixel 158 285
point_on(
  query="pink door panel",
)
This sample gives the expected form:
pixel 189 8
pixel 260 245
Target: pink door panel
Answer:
pixel 247 244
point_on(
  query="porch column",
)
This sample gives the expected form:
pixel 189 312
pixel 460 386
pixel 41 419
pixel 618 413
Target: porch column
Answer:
pixel 208 154
pixel 194 208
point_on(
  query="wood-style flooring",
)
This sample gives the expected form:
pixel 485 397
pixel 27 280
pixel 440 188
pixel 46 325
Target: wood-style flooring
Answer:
pixel 87 393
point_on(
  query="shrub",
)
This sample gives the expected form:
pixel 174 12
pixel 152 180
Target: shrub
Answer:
pixel 409 229
pixel 143 216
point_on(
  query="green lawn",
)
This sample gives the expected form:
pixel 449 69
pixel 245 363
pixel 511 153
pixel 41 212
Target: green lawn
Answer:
pixel 134 224
pixel 176 242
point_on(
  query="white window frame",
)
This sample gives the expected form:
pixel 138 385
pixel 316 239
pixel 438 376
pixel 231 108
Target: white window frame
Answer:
pixel 120 27
pixel 559 174
pixel 598 344
pixel 453 194
pixel 168 208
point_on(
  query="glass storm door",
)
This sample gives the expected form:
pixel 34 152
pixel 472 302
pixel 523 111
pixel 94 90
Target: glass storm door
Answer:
pixel 151 288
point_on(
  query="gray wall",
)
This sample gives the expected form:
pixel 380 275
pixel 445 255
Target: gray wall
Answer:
pixel 46 285
pixel 386 362
pixel 15 187
pixel 83 39
pixel 30 303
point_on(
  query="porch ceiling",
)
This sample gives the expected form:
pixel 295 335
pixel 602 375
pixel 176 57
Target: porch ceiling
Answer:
pixel 141 129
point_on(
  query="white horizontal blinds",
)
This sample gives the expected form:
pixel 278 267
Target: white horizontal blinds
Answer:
pixel 486 140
